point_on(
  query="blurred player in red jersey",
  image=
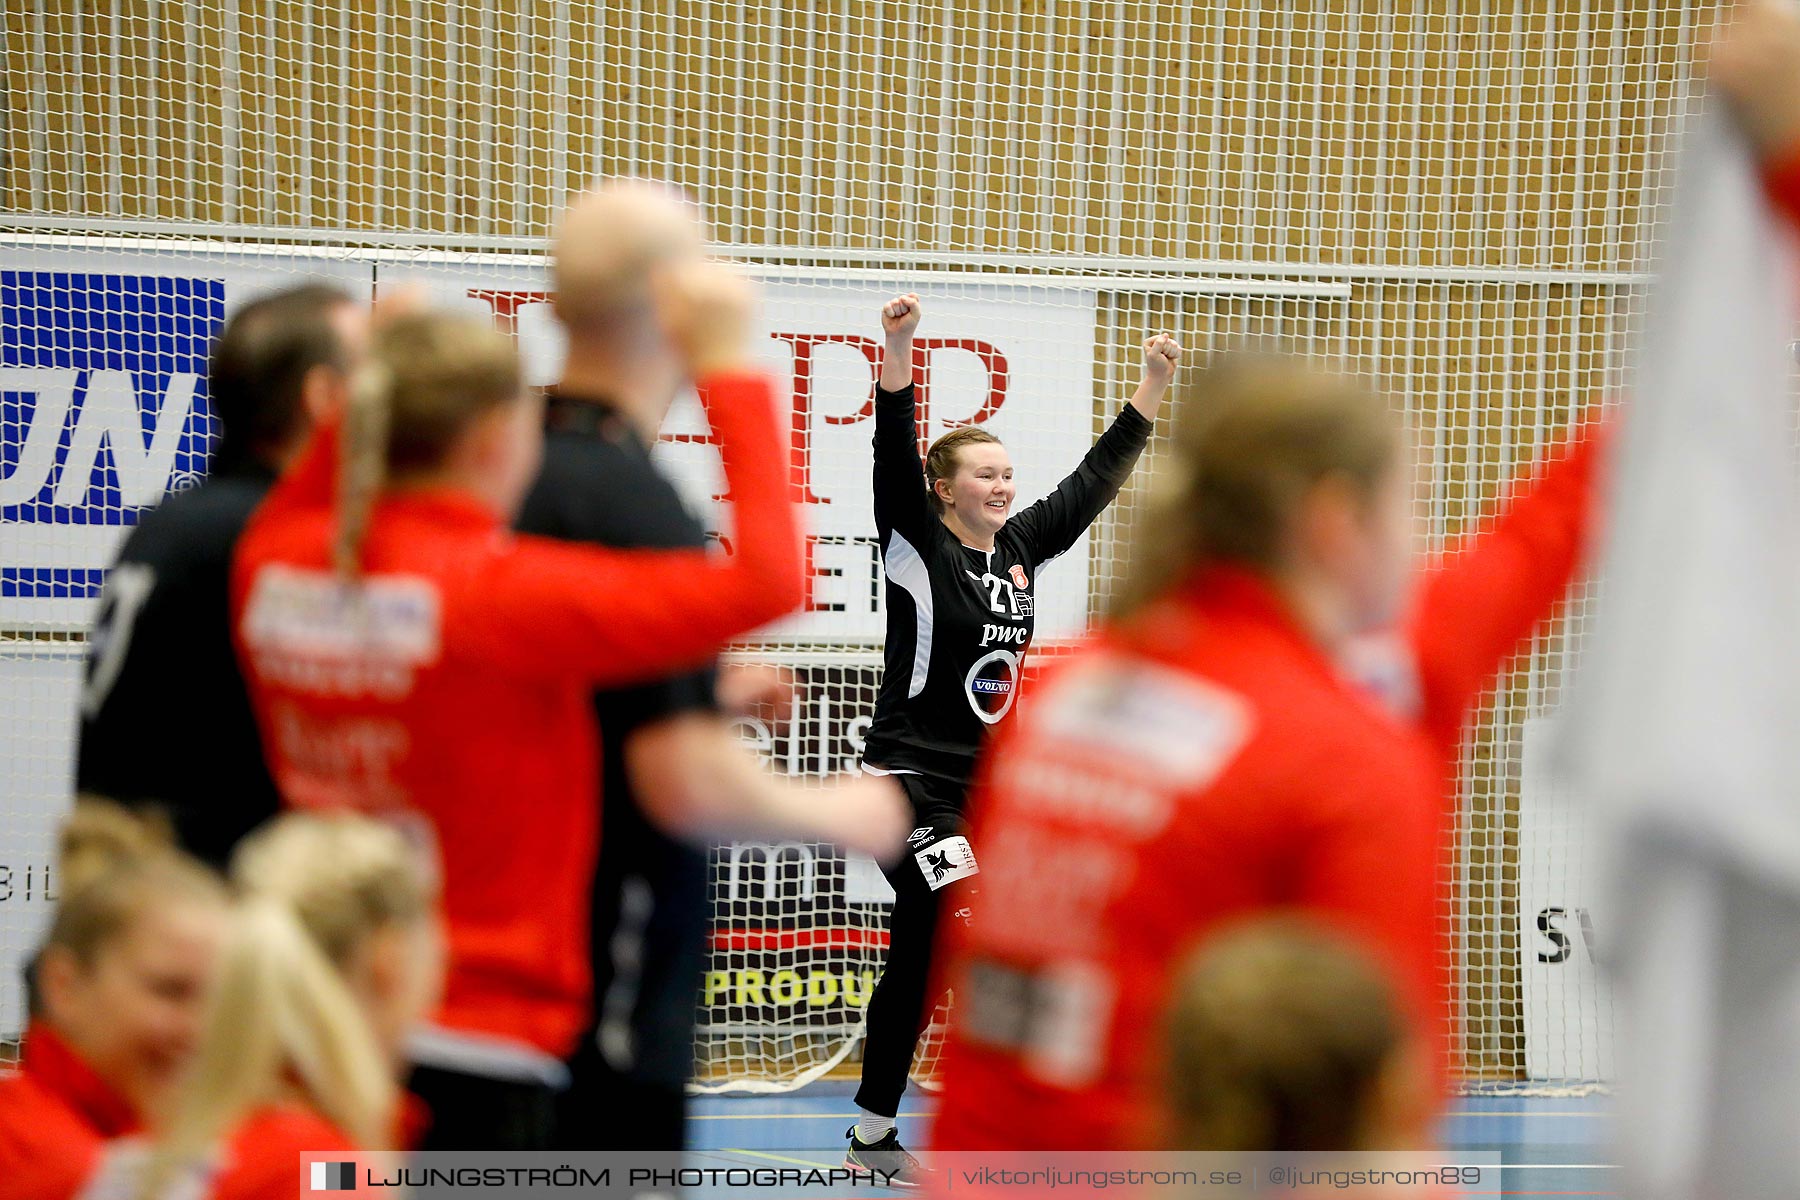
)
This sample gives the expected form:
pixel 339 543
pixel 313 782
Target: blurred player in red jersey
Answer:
pixel 337 952
pixel 406 654
pixel 1206 758
pixel 1211 754
pixel 120 999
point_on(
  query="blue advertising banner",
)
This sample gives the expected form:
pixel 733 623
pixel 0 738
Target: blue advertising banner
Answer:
pixel 103 404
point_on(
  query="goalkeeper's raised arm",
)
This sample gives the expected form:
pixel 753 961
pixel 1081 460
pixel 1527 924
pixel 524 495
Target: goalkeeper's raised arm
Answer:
pixel 961 572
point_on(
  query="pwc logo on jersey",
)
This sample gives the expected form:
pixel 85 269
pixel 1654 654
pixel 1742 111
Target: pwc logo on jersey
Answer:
pixel 992 685
pixel 103 405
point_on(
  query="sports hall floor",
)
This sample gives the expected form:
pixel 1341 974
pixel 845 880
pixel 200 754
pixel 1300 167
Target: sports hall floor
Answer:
pixel 1550 1146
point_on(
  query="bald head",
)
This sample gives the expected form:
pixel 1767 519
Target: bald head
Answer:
pixel 610 245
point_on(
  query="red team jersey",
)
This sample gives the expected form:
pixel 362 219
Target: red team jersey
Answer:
pixel 56 1115
pixel 261 1158
pixel 456 684
pixel 1207 760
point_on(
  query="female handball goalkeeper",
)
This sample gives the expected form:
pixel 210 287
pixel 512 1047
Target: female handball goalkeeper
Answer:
pixel 962 571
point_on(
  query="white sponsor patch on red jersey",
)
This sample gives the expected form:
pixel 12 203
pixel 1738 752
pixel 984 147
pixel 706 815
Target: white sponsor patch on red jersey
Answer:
pixel 1183 730
pixel 314 631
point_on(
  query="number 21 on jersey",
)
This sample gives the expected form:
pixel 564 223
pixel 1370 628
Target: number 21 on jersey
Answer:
pixel 1002 598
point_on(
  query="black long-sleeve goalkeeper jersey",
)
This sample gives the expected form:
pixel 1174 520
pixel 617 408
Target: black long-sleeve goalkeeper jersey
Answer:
pixel 960 620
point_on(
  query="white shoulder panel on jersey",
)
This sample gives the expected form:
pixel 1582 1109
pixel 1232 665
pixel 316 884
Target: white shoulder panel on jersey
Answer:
pixel 1174 725
pixel 908 571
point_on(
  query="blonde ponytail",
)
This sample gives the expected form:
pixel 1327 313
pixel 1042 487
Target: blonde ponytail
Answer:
pixel 282 1018
pixel 362 463
pixel 284 1024
pixel 344 876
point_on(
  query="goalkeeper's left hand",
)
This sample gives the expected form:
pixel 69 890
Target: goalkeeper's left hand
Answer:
pixel 1162 354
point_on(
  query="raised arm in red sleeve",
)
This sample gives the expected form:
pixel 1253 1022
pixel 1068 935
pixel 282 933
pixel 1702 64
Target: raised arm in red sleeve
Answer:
pixel 543 607
pixel 1492 590
pixel 557 608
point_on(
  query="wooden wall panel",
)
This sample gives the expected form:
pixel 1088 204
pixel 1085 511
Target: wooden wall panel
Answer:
pixel 1423 135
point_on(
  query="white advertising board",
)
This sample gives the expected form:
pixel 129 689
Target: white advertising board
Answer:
pixel 103 402
pixel 104 409
pixel 1018 359
pixel 38 689
pixel 1562 940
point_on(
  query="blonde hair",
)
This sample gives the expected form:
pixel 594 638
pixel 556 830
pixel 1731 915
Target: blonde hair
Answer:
pixel 942 458
pixel 343 875
pixel 112 867
pixel 1279 1032
pixel 429 375
pixel 314 889
pixel 1263 430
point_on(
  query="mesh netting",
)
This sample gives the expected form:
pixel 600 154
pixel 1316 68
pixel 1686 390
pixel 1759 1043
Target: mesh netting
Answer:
pixel 1452 199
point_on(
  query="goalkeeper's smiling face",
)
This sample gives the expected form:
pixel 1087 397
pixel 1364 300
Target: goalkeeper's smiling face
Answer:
pixel 981 492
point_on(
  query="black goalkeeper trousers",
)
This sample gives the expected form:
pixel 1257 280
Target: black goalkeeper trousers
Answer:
pixel 901 1004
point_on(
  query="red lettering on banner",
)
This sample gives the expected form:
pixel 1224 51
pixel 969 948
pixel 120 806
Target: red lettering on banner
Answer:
pixel 998 374
pixel 814 572
pixel 801 438
pixel 506 304
pixel 810 568
pixel 992 360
